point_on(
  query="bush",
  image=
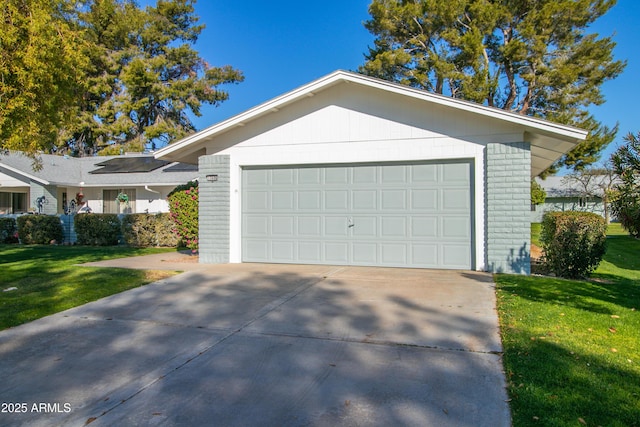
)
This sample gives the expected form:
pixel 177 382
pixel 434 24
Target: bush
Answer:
pixel 8 230
pixel 183 204
pixel 40 229
pixel 97 229
pixel 625 205
pixel 144 230
pixel 573 243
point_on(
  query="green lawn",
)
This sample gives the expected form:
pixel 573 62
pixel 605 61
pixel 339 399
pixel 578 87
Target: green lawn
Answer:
pixel 48 280
pixel 572 348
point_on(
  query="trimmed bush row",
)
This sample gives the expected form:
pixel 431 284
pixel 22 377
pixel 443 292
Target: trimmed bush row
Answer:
pixel 573 243
pixel 39 229
pixel 140 230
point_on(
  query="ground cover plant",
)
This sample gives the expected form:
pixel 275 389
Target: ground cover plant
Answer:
pixel 48 279
pixel 571 347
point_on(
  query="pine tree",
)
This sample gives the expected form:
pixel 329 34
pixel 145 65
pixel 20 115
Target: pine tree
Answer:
pixel 530 57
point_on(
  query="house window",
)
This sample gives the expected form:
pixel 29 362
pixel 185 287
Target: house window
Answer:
pixel 533 207
pixel 583 202
pixel 13 203
pixel 112 205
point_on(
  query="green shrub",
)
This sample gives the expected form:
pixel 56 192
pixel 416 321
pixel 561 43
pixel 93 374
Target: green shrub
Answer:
pixel 40 229
pixel 144 230
pixel 183 204
pixel 166 231
pixel 8 230
pixel 573 242
pixel 625 205
pixel 97 229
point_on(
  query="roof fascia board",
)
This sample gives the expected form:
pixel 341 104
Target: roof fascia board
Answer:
pixel 25 174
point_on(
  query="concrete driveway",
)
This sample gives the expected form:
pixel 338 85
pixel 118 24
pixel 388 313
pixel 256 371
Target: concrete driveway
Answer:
pixel 267 345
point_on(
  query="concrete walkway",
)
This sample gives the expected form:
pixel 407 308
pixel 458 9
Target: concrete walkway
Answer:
pixel 267 345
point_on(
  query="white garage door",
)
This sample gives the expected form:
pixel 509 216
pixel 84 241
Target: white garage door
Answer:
pixel 400 215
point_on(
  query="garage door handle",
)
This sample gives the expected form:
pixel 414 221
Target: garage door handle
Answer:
pixel 350 223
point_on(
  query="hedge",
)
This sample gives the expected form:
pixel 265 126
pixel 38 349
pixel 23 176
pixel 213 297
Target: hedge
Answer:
pixel 39 229
pixel 573 243
pixel 143 230
pixel 8 230
pixel 97 229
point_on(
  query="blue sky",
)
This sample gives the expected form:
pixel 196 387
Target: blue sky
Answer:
pixel 282 44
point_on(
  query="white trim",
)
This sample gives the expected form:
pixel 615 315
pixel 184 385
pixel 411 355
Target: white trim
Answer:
pixel 562 132
pixel 26 175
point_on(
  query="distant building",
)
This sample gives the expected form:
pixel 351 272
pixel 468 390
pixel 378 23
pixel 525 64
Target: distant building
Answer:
pixel 564 194
pixel 68 184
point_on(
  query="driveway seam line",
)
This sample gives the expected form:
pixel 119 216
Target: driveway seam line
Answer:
pixel 373 342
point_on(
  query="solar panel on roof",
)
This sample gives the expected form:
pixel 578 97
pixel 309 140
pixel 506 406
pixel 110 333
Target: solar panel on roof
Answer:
pixel 182 167
pixel 129 165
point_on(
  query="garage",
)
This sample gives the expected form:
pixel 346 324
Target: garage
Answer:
pixel 394 214
pixel 353 170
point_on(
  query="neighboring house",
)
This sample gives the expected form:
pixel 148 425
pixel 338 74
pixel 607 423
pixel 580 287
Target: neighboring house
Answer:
pixel 565 194
pixel 66 184
pixel 353 170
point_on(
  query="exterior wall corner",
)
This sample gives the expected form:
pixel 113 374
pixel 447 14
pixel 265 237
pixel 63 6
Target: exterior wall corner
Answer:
pixel 508 208
pixel 214 209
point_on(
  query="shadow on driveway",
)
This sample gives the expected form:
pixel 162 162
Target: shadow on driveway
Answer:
pixel 269 345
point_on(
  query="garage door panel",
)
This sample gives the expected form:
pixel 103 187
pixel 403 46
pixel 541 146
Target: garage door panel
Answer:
pixel 309 252
pixel 309 200
pixel 456 228
pixel 336 226
pixel 394 199
pixel 336 175
pixel 256 225
pixel 365 175
pixel 424 227
pixel 364 226
pixel 256 250
pixel 365 253
pixel 425 199
pixel 283 226
pixel 309 176
pixel 455 256
pixel 393 254
pixel 425 173
pixel 394 174
pixel 310 226
pixel 394 227
pixel 425 255
pixel 405 215
pixel 257 200
pixel 456 199
pixel 455 174
pixel 283 250
pixel 366 200
pixel 336 200
pixel 282 177
pixel 336 252
pixel 282 200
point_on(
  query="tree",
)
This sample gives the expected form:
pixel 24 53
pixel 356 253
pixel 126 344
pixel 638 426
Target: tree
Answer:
pixel 594 183
pixel 538 195
pixel 42 63
pixel 626 200
pixel 530 57
pixel 84 75
pixel 146 77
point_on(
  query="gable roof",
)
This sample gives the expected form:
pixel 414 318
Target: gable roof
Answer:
pixel 549 141
pixel 127 170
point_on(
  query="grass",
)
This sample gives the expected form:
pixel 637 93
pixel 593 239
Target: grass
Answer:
pixel 572 348
pixel 48 279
